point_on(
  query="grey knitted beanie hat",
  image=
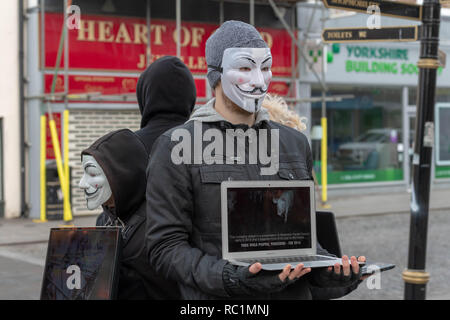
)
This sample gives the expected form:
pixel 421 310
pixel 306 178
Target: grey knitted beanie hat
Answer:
pixel 231 34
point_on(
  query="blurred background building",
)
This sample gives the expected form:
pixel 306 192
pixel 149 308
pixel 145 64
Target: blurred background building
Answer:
pixel 10 111
pixel 370 98
pixel 371 136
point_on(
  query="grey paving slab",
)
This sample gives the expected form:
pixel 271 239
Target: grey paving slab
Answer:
pixel 25 230
pixel 385 239
pixel 19 280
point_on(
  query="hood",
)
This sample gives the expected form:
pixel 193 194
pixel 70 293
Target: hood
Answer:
pixel 207 113
pixel 123 158
pixel 166 90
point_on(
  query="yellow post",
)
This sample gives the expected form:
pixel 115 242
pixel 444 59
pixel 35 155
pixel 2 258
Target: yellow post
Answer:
pixel 59 164
pixel 43 176
pixel 67 207
pixel 324 152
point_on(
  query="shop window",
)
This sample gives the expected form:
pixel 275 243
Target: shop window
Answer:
pixel 442 171
pixel 442 96
pixel 191 10
pixel 364 135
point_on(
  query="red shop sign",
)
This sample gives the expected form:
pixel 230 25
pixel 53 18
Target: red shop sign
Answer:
pixel 111 43
pixel 105 85
pixel 280 88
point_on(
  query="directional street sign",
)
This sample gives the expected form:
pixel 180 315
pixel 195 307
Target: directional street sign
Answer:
pixel 405 33
pixel 396 9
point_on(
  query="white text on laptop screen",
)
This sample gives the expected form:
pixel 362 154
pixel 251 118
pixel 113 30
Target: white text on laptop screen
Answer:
pixel 268 218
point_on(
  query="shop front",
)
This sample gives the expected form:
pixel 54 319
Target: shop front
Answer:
pixel 371 133
pixel 112 46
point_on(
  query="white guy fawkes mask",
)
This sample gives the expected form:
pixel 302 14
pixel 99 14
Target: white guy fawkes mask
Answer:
pixel 94 183
pixel 246 76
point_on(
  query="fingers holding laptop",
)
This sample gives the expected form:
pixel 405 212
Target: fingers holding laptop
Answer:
pixel 287 273
pixel 348 265
pixel 255 268
pixel 341 275
pixel 253 280
pixel 296 273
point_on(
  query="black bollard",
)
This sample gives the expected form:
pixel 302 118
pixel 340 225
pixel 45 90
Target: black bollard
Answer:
pixel 415 276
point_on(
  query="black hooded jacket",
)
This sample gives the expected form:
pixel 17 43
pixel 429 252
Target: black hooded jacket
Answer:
pixel 166 95
pixel 123 158
pixel 183 236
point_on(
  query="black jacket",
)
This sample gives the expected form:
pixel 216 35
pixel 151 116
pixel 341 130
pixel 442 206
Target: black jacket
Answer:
pixel 183 206
pixel 166 95
pixel 123 158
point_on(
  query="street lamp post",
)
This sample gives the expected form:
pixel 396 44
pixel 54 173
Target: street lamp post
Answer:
pixel 415 276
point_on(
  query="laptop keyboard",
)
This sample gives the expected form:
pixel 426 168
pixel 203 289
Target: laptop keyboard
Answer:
pixel 287 259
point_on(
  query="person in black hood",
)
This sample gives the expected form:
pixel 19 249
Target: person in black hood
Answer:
pixel 166 95
pixel 114 177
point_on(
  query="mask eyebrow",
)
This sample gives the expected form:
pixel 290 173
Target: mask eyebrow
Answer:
pixel 268 58
pixel 250 59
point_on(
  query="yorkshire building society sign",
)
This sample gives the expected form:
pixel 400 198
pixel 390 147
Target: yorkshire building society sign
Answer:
pixel 375 64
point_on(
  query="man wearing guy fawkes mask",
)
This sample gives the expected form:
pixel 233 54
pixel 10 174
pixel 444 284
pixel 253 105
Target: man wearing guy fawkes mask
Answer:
pixel 114 178
pixel 183 199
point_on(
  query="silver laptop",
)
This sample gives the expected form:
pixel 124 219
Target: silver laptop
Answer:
pixel 271 222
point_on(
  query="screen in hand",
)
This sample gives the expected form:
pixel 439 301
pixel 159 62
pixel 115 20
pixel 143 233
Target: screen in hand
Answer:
pixel 81 264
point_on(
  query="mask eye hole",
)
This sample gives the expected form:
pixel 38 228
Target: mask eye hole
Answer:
pixel 265 69
pixel 91 171
pixel 245 69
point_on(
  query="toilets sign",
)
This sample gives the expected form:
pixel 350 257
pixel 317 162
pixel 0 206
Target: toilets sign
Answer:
pixel 408 33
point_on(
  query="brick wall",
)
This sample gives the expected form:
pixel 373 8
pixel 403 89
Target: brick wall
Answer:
pixel 86 126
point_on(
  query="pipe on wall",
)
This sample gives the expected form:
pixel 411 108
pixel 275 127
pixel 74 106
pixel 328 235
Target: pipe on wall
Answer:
pixel 23 202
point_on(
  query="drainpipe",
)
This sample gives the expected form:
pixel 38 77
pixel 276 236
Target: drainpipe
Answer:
pixel 23 203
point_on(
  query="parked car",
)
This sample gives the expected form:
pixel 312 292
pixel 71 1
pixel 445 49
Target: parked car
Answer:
pixel 365 150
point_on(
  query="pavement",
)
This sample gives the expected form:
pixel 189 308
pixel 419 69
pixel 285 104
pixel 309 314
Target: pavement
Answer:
pixel 392 200
pixel 385 238
pixel 23 248
pixel 362 231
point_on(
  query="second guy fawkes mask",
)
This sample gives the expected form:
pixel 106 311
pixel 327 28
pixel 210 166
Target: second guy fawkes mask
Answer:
pixel 94 183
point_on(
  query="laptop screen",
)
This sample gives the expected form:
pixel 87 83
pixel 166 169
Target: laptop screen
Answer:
pixel 81 264
pixel 268 218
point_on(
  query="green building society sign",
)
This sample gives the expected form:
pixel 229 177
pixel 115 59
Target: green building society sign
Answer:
pixel 442 172
pixel 379 60
pixel 339 177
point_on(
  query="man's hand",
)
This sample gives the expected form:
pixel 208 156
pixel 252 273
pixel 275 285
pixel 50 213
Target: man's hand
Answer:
pixel 296 273
pixel 253 280
pixel 346 265
pixel 342 276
